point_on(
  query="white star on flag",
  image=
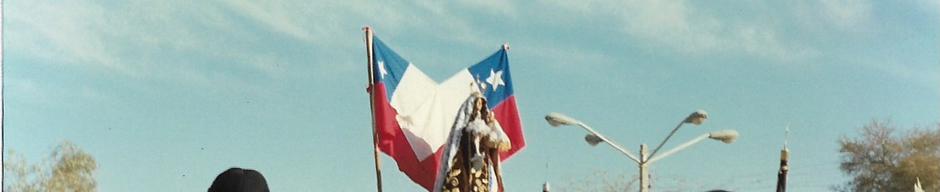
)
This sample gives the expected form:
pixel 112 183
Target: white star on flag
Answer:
pixel 382 70
pixel 495 79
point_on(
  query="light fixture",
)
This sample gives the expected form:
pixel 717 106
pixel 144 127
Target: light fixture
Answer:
pixel 558 119
pixel 726 136
pixel 696 117
pixel 593 139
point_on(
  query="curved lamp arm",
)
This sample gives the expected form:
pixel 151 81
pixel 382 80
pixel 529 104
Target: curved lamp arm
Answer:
pixel 695 118
pixel 677 148
pixel 726 136
pixel 609 142
pixel 558 119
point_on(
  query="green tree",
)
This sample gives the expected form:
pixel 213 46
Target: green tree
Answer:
pixel 68 168
pixel 884 159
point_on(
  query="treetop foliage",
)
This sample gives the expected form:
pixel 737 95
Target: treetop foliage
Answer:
pixel 68 168
pixel 885 159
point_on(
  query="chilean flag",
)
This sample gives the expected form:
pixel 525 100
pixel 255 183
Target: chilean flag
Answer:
pixel 413 114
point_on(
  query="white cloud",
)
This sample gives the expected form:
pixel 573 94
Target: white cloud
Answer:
pixel 688 29
pixel 68 34
pixel 766 43
pixel 826 17
pixel 140 40
pixel 41 92
pixel 149 39
pixel 677 25
pixel 278 14
pixel 846 13
pixel 495 7
pixel 927 78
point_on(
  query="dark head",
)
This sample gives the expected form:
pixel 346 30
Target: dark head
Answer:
pixel 239 180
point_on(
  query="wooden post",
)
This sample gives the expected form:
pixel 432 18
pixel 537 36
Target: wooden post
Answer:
pixel 375 137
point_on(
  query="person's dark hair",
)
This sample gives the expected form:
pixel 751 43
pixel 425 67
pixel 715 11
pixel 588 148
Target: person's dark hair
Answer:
pixel 239 180
pixel 483 111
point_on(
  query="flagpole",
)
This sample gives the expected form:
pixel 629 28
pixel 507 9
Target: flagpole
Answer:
pixel 375 137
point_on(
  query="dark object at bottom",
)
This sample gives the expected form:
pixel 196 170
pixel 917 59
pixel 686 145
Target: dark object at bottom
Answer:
pixel 239 180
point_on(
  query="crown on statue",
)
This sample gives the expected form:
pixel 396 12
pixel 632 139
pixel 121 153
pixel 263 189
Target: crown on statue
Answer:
pixel 477 87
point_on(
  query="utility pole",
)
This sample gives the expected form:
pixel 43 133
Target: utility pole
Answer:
pixel 784 157
pixel 644 175
pixel 545 186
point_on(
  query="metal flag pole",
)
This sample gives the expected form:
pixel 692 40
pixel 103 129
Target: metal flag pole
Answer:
pixel 784 168
pixel 375 137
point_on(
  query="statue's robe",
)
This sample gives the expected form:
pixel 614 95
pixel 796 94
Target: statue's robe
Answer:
pixel 470 162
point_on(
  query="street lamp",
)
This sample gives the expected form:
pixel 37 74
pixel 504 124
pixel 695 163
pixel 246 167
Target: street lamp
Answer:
pixel 593 139
pixel 558 119
pixel 696 118
pixel 726 136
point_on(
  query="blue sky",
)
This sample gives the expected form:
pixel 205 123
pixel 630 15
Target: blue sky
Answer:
pixel 167 94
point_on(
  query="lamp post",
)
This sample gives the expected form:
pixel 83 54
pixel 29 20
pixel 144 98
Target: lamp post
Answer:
pixel 697 117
